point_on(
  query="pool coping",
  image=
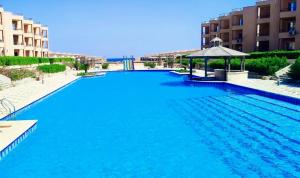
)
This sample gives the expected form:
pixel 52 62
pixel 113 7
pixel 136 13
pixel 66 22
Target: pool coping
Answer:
pixel 272 95
pixel 19 138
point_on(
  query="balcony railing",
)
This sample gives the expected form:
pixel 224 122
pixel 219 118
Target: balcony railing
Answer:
pixel 18 43
pixel 28 45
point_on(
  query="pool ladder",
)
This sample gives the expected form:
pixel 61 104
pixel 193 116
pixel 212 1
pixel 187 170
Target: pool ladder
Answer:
pixel 8 107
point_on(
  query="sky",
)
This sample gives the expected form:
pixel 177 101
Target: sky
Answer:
pixel 114 28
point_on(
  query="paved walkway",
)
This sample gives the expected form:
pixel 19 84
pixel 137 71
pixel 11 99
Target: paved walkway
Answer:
pixel 271 86
pixel 29 90
pixel 10 131
pixel 265 85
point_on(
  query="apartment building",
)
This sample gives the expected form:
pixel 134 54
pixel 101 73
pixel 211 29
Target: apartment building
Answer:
pixel 269 25
pixel 20 36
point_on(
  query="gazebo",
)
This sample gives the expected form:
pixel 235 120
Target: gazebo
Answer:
pixel 218 51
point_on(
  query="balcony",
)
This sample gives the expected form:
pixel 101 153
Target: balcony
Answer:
pixel 215 28
pixel 18 52
pixel 263 29
pixel 225 37
pixel 18 40
pixel 263 32
pixel 288 8
pixel 263 45
pixel 44 33
pixel 264 12
pixel 237 22
pixel 224 25
pixel 287 44
pixel 287 27
pixel 28 28
pixel 205 30
pixel 288 5
pixel 237 37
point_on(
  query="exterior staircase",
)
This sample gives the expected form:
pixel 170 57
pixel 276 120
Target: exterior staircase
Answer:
pixel 5 82
pixel 282 75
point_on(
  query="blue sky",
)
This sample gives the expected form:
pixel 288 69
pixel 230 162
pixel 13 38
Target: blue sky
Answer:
pixel 113 28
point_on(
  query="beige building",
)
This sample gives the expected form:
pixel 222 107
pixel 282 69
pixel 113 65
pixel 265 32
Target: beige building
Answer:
pixel 20 36
pixel 269 25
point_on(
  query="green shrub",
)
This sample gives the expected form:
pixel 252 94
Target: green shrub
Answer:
pixel 53 68
pixel 17 74
pixel 216 64
pixel 186 62
pixel 150 64
pixel 295 70
pixel 16 60
pixel 235 64
pixel 105 66
pixel 280 53
pixel 266 66
pixel 85 74
pixel 262 66
pixel 51 60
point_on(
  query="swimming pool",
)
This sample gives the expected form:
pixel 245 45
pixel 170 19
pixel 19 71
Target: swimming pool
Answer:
pixel 152 124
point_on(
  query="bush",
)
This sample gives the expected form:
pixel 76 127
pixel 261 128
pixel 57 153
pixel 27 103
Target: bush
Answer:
pixel 150 64
pixel 85 74
pixel 186 62
pixel 262 66
pixel 17 74
pixel 53 68
pixel 15 60
pixel 280 53
pixel 295 70
pixel 105 66
pixel 266 66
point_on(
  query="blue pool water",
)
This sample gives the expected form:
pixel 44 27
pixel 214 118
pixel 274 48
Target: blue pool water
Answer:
pixel 151 124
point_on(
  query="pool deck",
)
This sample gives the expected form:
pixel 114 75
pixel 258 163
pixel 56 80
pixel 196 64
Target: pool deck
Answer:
pixel 264 85
pixel 271 86
pixel 11 131
pixel 29 90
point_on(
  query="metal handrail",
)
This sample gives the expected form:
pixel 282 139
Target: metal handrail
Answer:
pixel 8 105
pixel 5 107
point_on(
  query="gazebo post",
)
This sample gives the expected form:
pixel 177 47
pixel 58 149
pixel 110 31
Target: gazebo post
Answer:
pixel 229 64
pixel 191 68
pixel 244 63
pixel 225 69
pixel 206 60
